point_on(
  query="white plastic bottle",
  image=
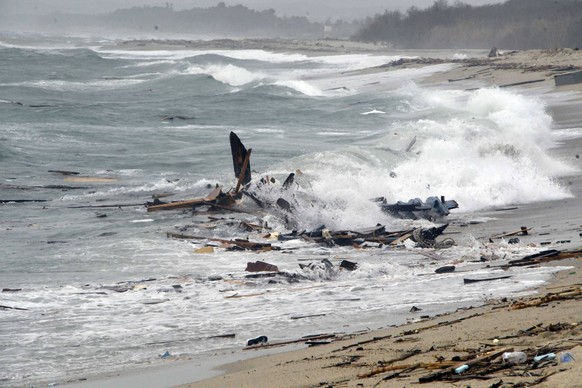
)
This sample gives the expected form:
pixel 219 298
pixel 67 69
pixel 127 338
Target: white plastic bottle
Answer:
pixel 514 357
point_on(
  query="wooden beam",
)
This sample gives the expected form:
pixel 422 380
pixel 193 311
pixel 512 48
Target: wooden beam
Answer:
pixel 243 172
pixel 188 203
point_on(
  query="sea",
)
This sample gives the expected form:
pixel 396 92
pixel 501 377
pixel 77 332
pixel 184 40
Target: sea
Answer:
pixel 92 129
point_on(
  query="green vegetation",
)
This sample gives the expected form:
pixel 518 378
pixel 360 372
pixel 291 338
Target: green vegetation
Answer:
pixel 515 24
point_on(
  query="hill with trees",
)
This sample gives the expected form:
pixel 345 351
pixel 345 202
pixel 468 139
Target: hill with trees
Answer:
pixel 218 21
pixel 515 24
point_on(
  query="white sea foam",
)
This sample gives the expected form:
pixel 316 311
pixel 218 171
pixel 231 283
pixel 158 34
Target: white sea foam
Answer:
pixel 373 112
pixel 483 149
pixel 60 85
pixel 300 86
pixel 228 74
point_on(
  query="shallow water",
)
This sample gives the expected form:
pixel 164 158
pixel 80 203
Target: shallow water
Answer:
pixel 104 289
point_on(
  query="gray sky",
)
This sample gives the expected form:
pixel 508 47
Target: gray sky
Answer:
pixel 315 9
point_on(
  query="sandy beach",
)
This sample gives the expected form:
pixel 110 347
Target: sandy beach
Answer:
pixel 429 349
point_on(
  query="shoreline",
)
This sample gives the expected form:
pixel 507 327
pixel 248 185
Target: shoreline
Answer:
pixel 454 337
pixel 332 365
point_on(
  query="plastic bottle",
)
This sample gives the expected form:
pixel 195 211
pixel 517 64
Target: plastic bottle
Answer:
pixel 461 369
pixel 514 357
pixel 566 357
pixel 545 357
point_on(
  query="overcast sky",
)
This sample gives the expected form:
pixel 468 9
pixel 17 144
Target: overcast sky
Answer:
pixel 315 9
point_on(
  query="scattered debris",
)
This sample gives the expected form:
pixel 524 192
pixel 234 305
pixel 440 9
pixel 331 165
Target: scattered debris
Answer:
pixel 283 343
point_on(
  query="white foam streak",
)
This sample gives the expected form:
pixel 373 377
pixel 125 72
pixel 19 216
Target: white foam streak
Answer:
pixel 79 86
pixel 301 86
pixel 228 74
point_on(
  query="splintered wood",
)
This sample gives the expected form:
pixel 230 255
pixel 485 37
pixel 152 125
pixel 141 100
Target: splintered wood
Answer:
pixel 573 293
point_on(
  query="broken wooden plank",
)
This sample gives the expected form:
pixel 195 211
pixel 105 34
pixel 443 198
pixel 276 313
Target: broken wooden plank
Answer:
pixel 469 281
pixel 522 83
pixel 239 154
pixel 543 257
pixel 222 336
pixel 401 239
pixel 242 176
pixel 188 203
pixel 261 266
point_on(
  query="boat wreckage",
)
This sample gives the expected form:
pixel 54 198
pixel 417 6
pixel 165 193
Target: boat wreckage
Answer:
pixel 433 209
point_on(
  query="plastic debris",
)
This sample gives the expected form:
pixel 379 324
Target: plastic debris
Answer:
pixel 258 341
pixel 514 357
pixel 545 357
pixel 566 357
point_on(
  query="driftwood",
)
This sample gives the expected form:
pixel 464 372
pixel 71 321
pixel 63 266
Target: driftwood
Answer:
pixel 543 257
pixel 469 281
pixel 386 368
pixel 445 323
pixel 573 293
pixel 357 344
pixel 523 231
pixel 213 196
pixel 222 336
